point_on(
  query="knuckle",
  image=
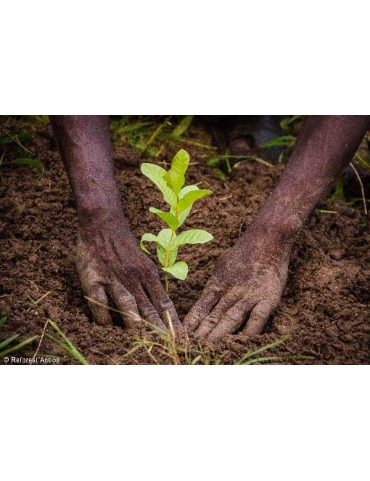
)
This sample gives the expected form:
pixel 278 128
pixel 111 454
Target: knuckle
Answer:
pixel 149 312
pixel 190 320
pixel 166 304
pixel 151 267
pixel 212 321
pixel 128 297
pixel 262 309
pixel 145 271
pixel 152 273
pixel 95 293
pixel 119 292
pixel 229 319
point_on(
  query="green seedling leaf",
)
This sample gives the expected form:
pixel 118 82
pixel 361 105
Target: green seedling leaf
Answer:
pixel 156 174
pixel 281 141
pixel 339 190
pixel 170 219
pixel 288 121
pixel 180 162
pixel 188 188
pixel 3 320
pixel 126 129
pixel 178 270
pixel 220 174
pixel 147 238
pixel 184 215
pixel 215 160
pixel 175 177
pixel 363 161
pixel 164 238
pixel 182 126
pixel 171 256
pixel 193 236
pixel 161 254
pixel 189 199
pixel 36 164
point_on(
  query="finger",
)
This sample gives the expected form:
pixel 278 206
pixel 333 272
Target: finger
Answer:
pixel 201 308
pixel 162 303
pixel 231 320
pixel 98 304
pixel 126 304
pixel 217 315
pixel 258 318
pixel 169 315
pixel 147 311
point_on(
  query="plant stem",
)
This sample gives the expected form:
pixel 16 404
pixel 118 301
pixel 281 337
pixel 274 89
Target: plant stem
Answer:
pixel 166 257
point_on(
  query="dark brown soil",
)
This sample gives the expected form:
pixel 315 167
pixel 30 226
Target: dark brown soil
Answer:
pixel 325 307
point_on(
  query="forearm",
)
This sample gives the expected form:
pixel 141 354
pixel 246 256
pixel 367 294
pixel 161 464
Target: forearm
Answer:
pixel 325 146
pixel 84 144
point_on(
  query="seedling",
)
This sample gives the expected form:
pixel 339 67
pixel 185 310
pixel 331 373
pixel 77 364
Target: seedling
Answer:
pixel 180 199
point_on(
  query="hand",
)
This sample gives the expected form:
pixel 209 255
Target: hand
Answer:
pixel 245 288
pixel 110 264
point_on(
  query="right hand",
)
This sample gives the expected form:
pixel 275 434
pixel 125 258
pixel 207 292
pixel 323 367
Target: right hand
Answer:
pixel 244 289
pixel 111 265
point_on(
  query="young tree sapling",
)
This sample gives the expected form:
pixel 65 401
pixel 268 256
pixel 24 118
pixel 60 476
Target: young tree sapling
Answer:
pixel 180 199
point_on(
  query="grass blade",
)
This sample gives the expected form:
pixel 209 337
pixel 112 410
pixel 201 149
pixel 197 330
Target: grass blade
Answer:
pixel 262 349
pixel 8 341
pixel 18 346
pixel 68 346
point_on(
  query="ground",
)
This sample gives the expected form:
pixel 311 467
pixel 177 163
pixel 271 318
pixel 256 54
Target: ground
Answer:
pixel 324 311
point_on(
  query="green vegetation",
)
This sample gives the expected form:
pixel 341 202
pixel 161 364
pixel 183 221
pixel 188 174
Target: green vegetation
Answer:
pixel 151 135
pixel 224 164
pixel 15 133
pixel 8 346
pixel 162 346
pixel 180 198
pixel 63 341
pixel 252 357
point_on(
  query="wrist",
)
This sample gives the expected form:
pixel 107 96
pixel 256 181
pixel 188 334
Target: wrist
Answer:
pixel 274 234
pixel 97 217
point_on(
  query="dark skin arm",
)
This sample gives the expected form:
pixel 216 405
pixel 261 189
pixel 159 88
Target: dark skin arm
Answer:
pixel 109 261
pixel 249 279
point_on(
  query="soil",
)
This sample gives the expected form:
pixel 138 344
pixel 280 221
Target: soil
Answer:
pixel 325 309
